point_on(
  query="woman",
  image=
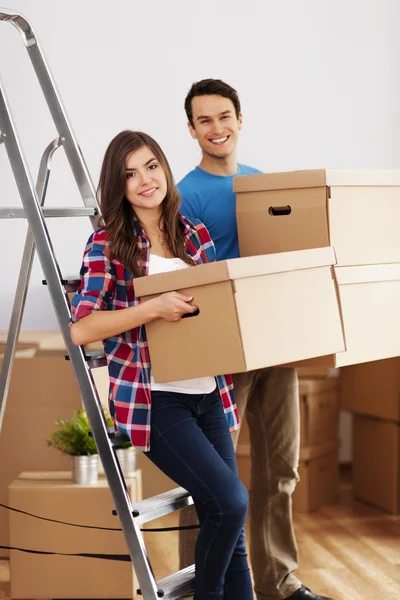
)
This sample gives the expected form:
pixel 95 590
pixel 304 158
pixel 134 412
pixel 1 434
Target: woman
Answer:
pixel 181 425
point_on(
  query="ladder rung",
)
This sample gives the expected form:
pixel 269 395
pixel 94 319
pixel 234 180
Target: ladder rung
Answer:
pixel 94 358
pixel 70 284
pixel 19 213
pixel 160 505
pixel 177 585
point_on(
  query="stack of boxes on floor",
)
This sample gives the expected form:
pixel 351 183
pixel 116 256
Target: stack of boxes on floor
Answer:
pixel 371 392
pixel 319 442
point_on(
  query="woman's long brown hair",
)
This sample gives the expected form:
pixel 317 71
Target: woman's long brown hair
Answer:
pixel 118 213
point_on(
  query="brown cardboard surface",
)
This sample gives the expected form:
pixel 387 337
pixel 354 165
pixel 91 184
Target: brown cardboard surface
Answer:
pixel 321 203
pixel 376 456
pixel 318 485
pixel 42 390
pixel 369 301
pixel 319 417
pixel 372 389
pixel 48 576
pixel 261 315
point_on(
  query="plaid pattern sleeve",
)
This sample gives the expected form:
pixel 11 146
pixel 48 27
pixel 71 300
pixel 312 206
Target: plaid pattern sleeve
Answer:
pixel 97 278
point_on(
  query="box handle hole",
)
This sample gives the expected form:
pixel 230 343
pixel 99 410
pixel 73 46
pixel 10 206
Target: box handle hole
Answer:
pixel 193 314
pixel 279 211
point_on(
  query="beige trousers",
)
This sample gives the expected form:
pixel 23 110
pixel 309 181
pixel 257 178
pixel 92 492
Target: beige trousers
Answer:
pixel 269 399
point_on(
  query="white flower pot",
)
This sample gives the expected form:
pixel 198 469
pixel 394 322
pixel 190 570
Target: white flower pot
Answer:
pixel 127 460
pixel 85 469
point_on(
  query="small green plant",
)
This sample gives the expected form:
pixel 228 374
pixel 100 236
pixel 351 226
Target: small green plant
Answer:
pixel 72 436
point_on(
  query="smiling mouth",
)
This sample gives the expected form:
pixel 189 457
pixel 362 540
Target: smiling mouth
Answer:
pixel 220 141
pixel 149 192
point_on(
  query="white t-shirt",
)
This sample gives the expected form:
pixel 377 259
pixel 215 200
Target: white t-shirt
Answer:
pixel 202 385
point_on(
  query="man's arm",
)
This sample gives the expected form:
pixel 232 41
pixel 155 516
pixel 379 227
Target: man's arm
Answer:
pixel 190 203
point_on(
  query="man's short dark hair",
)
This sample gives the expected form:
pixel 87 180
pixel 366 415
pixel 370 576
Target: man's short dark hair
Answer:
pixel 210 87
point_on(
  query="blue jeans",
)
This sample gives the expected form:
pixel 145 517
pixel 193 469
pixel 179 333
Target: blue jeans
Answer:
pixel 191 443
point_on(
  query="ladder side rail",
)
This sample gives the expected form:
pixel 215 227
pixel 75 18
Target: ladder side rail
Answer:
pixel 84 378
pixel 57 110
pixel 23 282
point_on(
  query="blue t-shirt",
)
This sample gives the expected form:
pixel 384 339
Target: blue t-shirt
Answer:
pixel 211 199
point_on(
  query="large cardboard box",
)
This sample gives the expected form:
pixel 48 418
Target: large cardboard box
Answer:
pixel 65 574
pixel 356 212
pixel 369 301
pixel 254 312
pixel 376 462
pixel 43 389
pixel 372 389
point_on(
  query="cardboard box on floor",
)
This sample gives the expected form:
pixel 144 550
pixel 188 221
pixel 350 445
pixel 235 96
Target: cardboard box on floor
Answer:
pixel 356 212
pixel 376 462
pixel 54 496
pixel 43 389
pixel 369 301
pixel 372 389
pixel 319 481
pixel 319 464
pixel 319 412
pixel 254 312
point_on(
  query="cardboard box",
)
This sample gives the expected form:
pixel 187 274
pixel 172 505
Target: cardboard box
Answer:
pixel 254 312
pixel 43 389
pixel 319 482
pixel 356 212
pixel 376 463
pixel 369 302
pixel 54 496
pixel 318 472
pixel 372 389
pixel 319 412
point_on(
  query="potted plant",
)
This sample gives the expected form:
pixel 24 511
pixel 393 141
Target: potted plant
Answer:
pixel 126 454
pixel 72 438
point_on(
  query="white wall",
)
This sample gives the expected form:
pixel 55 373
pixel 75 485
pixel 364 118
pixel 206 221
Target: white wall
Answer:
pixel 318 79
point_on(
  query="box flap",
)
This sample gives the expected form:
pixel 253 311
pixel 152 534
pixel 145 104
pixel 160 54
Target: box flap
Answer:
pixel 235 268
pixel 367 273
pixel 267 264
pixel 279 181
pixel 180 279
pixel 315 178
pixel 362 177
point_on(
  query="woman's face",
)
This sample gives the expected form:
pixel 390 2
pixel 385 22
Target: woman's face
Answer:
pixel 146 182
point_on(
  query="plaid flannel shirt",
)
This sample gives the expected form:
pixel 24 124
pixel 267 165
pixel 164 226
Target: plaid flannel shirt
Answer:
pixel 107 285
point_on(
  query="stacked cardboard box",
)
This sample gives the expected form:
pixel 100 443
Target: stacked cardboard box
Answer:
pixel 372 392
pixel 254 312
pixel 43 389
pixel 318 466
pixel 77 561
pixel 355 212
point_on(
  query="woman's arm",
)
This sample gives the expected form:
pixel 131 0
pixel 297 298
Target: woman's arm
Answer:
pixel 102 324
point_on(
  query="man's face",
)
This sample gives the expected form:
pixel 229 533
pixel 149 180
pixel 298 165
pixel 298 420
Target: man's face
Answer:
pixel 215 125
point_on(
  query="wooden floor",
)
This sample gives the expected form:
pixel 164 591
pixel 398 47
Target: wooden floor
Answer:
pixel 348 551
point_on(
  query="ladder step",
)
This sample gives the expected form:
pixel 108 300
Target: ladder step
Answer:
pixel 70 284
pixel 19 213
pixel 94 358
pixel 160 505
pixel 177 585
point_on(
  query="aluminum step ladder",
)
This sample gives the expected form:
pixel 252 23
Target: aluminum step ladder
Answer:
pixel 33 199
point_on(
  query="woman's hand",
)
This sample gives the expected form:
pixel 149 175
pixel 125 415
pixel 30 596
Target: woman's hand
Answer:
pixel 172 306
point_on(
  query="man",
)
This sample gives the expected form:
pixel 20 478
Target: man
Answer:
pixel 268 398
